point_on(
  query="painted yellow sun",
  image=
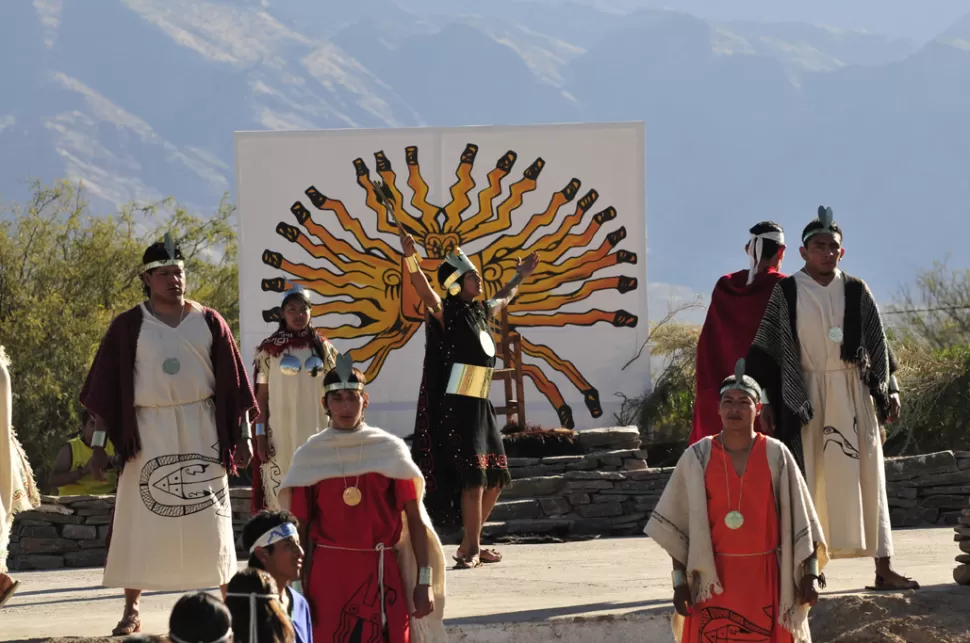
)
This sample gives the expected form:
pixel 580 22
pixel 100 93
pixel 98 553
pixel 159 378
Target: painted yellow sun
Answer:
pixel 369 281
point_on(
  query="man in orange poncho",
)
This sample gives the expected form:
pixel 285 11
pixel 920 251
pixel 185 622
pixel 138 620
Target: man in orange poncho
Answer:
pixel 737 306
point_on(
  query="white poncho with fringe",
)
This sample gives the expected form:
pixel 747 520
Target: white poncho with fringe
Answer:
pixel 333 454
pixel 680 524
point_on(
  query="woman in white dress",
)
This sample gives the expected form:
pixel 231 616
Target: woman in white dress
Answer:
pixel 290 366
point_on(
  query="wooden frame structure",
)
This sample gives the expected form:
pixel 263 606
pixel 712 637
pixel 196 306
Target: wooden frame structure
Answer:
pixel 510 352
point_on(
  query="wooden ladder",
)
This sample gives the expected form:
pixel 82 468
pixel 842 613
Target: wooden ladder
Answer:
pixel 510 352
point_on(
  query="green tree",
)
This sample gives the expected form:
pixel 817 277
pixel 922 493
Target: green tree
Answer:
pixel 65 273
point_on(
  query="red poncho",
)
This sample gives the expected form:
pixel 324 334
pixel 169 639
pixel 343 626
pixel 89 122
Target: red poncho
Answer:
pixel 732 320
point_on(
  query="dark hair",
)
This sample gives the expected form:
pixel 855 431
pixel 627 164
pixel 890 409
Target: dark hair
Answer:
pixel 199 618
pixel 259 525
pixel 769 247
pixel 158 252
pixel 314 337
pixel 272 623
pixel 815 224
pixel 85 416
pixel 445 270
pixel 332 377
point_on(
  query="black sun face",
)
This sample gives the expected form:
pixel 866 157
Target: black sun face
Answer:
pixel 370 281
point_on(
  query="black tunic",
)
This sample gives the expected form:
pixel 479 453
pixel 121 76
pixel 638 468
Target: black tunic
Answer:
pixel 457 442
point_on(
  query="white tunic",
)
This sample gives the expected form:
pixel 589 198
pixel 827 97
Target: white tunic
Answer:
pixel 842 443
pixel 296 413
pixel 173 522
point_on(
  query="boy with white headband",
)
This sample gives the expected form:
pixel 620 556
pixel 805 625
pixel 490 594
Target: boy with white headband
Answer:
pixel 273 543
pixel 375 568
pixel 737 305
pixel 737 520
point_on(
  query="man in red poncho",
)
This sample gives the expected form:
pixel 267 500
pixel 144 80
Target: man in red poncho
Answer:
pixel 737 306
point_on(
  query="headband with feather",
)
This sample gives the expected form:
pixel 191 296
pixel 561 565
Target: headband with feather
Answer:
pixel 741 382
pixel 344 368
pixel 826 225
pixel 169 243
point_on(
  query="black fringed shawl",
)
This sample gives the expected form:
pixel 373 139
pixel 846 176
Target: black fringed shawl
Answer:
pixel 774 358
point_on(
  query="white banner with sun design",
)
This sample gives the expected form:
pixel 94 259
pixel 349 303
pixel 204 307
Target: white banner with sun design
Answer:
pixel 309 215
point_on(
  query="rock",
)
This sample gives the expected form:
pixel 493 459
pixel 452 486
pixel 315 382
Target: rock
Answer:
pixel 515 510
pixel 578 498
pixel 98 520
pixel 634 465
pixel 40 562
pixel 600 510
pixel 939 480
pixel 94 512
pixel 944 502
pixel 588 485
pixel 628 519
pixel 606 497
pixel 97 543
pixel 540 471
pixel 591 525
pixel 948 518
pixel 90 505
pixel 79 532
pixel 86 558
pixel 239 504
pixel 37 531
pixel 47 545
pixel 532 487
pixel 557 506
pixel 913 517
pixel 651 474
pixel 593 439
pixel 586 464
pixel 563 459
pixel 642 486
pixel 920 466
pixel 241 492
pixel 963 464
pixel 594 475
pixel 529 526
pixel 614 458
pixel 523 462
pixel 103 532
pixel 903 503
pixel 48 518
pixel 907 492
pixel 58 500
pixel 963 490
pixel 962 575
pixel 646 503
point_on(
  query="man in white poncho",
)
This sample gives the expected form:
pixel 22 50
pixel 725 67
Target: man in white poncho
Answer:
pixel 738 522
pixel 17 489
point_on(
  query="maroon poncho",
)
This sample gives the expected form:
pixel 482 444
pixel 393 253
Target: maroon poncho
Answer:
pixel 732 320
pixel 109 390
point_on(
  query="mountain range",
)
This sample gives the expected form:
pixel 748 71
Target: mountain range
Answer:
pixel 745 120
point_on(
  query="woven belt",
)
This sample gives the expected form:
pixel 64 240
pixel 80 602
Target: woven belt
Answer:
pixel 471 381
pixel 763 553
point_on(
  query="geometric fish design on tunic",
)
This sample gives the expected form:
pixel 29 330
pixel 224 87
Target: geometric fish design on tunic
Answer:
pixel 174 486
pixel 370 282
pixel 834 436
pixel 360 618
pixel 721 625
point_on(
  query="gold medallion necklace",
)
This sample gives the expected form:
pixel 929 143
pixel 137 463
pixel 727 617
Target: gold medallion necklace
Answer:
pixel 352 495
pixel 734 518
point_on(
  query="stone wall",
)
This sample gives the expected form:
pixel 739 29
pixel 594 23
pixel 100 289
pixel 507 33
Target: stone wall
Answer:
pixel 607 491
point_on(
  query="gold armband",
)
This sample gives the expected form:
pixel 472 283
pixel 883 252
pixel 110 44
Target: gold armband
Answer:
pixel 434 310
pixel 413 263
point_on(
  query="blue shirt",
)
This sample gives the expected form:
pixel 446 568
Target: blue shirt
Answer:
pixel 300 617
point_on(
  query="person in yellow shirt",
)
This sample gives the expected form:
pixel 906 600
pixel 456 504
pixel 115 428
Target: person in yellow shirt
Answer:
pixel 72 469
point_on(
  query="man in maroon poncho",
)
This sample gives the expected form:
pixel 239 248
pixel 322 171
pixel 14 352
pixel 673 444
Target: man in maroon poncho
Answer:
pixel 737 306
pixel 170 391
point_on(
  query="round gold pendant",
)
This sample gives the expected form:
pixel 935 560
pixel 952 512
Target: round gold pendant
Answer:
pixel 734 520
pixel 352 496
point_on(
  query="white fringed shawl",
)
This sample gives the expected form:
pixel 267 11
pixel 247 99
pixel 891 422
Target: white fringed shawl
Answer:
pixel 680 525
pixel 372 450
pixel 17 489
